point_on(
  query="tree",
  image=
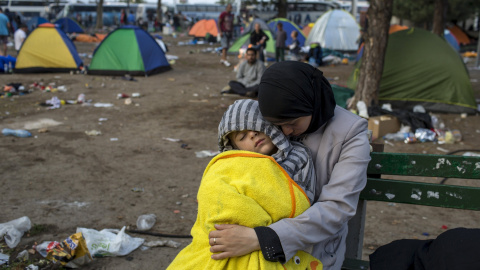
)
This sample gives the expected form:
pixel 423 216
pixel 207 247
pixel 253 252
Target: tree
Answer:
pixel 282 8
pixel 99 24
pixel 421 12
pixel 439 15
pixel 375 39
pixel 159 14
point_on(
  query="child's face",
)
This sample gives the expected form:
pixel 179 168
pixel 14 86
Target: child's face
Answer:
pixel 254 141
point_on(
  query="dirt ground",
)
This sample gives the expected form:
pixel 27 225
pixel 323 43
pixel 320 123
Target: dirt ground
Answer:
pixel 63 179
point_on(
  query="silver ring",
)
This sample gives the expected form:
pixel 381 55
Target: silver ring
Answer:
pixel 214 241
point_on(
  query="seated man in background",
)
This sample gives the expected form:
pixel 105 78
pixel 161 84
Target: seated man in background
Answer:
pixel 249 74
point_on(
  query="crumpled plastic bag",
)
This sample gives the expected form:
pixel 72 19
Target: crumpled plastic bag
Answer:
pixel 14 230
pixel 110 242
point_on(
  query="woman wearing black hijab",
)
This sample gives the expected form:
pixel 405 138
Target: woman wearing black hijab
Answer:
pixel 298 98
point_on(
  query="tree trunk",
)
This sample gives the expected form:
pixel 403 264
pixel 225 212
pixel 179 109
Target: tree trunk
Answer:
pixel 439 17
pixel 282 9
pixel 160 14
pixel 375 39
pixel 99 24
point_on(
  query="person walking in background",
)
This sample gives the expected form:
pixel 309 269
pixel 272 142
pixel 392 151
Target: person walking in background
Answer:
pixel 4 26
pixel 19 36
pixel 225 21
pixel 294 47
pixel 280 39
pixel 131 18
pixel 123 17
pixel 259 39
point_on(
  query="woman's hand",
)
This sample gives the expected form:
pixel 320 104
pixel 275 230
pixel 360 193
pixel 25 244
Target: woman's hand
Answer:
pixel 232 241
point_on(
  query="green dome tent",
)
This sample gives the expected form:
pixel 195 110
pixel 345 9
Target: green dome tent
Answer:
pixel 421 68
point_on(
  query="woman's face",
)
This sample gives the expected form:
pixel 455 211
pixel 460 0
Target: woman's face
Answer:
pixel 295 127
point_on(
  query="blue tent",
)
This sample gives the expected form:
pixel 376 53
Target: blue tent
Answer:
pixel 69 26
pixel 452 40
pixel 128 50
pixel 288 26
pixel 35 21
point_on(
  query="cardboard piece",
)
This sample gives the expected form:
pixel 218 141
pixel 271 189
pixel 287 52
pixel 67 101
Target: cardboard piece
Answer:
pixel 383 124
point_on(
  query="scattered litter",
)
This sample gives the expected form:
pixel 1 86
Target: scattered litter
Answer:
pixel 41 123
pixel 162 243
pixel 110 242
pixel 102 119
pixel 471 154
pixel 206 153
pixel 172 139
pixel 137 189
pixel 103 105
pixel 185 146
pixel 31 267
pixel 128 101
pixel 196 101
pixel 146 222
pixel 425 234
pixel 119 96
pixel 20 133
pixel 176 211
pixel 135 95
pixel 113 139
pixel 171 79
pixel 463 115
pixel 42 130
pixel 444 227
pixel 3 258
pixel 14 230
pixel 185 196
pixel 93 132
pixel 389 143
pixel 71 252
pixel 23 255
pixel 62 88
pixel 53 103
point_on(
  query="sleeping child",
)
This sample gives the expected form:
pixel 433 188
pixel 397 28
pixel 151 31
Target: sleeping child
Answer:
pixel 258 178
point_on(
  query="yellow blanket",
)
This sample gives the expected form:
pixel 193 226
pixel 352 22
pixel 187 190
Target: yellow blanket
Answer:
pixel 250 189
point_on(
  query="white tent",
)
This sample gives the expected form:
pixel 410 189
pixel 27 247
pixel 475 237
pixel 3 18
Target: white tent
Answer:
pixel 335 30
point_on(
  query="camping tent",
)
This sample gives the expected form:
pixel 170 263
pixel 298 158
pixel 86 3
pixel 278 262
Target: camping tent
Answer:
pixel 461 37
pixel 307 28
pixel 244 40
pixel 35 21
pixel 452 40
pixel 128 50
pixel 420 68
pixel 288 26
pixel 335 30
pixel 203 27
pixel 68 26
pixel 47 49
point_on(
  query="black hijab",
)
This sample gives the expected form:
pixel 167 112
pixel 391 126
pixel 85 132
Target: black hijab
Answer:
pixel 291 89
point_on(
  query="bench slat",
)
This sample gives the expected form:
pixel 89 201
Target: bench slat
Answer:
pixel 397 191
pixel 425 165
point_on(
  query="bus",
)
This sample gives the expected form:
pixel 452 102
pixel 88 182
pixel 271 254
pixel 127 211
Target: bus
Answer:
pixel 196 12
pixel 301 13
pixel 27 8
pixel 87 13
pixel 146 13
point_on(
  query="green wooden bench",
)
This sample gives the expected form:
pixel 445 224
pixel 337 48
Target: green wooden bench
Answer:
pixel 379 188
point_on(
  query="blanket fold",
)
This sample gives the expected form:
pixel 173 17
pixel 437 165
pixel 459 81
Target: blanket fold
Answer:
pixel 249 189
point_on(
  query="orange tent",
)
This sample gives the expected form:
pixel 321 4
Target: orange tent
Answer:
pixel 89 38
pixel 202 27
pixel 395 27
pixel 307 28
pixel 461 37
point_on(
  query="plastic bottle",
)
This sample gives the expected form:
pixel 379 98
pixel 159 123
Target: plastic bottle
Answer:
pixel 21 133
pixel 5 68
pixel 146 222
